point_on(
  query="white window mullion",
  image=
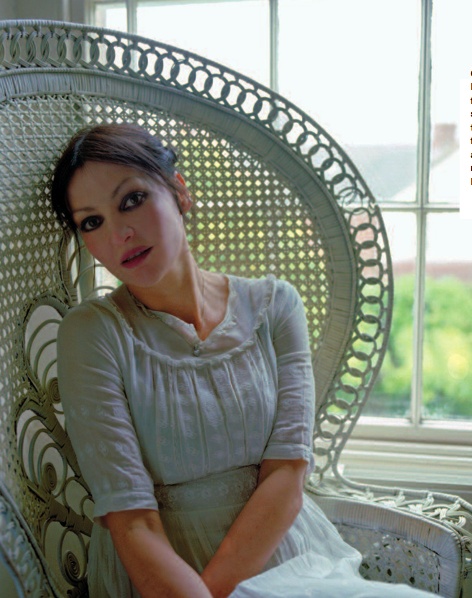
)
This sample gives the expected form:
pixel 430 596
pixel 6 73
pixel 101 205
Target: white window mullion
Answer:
pixel 89 10
pixel 65 10
pixel 418 321
pixel 424 137
pixel 274 44
pixel 132 16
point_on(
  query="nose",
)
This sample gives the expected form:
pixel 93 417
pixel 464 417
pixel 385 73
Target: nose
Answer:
pixel 120 233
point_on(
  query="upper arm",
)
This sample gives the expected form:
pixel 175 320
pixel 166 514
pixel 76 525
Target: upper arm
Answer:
pixel 98 418
pixel 292 433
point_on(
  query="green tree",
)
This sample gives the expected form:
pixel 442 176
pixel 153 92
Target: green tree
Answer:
pixel 447 351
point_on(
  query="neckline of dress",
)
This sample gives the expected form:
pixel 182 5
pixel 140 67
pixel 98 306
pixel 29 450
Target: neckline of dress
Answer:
pixel 176 322
pixel 233 313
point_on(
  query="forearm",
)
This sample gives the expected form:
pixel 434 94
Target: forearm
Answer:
pixel 257 531
pixel 152 564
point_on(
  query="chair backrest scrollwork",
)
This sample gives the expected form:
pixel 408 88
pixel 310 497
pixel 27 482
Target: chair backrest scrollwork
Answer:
pixel 273 192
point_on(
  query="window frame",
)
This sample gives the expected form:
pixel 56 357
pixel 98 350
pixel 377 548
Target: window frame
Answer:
pixel 406 433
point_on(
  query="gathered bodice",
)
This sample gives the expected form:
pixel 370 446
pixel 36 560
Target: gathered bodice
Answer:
pixel 144 408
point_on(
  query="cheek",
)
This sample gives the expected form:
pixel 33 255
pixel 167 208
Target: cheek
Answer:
pixel 165 225
pixel 95 247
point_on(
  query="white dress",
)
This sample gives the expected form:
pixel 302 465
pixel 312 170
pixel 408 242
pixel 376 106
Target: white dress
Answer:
pixel 161 420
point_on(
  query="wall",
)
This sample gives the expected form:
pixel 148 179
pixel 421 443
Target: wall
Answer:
pixel 7 9
pixel 46 9
pixel 52 10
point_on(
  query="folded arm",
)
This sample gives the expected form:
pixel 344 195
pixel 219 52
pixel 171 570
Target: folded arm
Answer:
pixel 153 566
pixel 101 429
pixel 271 510
pixel 259 528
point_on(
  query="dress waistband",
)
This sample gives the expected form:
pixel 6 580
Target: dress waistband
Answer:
pixel 216 490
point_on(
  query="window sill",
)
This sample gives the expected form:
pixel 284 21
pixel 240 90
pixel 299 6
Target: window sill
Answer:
pixel 402 430
pixel 426 466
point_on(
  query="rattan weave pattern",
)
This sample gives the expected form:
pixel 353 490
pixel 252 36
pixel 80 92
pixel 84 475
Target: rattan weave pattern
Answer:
pixel 273 193
pixel 389 558
pixel 259 214
pixel 18 552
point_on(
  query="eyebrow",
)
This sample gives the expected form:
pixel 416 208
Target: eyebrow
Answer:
pixel 113 195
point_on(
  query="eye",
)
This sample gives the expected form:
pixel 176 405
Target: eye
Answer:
pixel 89 224
pixel 133 200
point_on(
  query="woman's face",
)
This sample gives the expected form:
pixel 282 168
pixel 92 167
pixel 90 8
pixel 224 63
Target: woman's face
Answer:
pixel 129 221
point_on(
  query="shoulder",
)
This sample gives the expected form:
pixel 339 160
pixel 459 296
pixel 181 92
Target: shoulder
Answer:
pixel 285 291
pixel 268 294
pixel 268 285
pixel 91 319
pixel 262 286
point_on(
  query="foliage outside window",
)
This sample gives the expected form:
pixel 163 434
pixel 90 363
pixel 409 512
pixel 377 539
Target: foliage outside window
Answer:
pixel 383 79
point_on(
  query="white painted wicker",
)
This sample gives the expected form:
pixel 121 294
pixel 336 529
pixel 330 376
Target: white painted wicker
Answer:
pixel 274 193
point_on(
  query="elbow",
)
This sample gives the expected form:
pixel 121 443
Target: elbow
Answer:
pixel 297 503
pixel 293 504
pixel 294 500
pixel 286 478
pixel 297 491
pixel 123 525
pixel 297 485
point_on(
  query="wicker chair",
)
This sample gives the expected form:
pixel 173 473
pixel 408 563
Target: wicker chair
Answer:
pixel 274 193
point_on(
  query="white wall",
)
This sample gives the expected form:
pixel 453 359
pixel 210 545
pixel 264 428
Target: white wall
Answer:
pixel 7 9
pixel 46 9
pixel 52 10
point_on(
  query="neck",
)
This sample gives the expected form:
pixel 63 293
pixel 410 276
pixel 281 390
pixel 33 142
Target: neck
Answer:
pixel 183 296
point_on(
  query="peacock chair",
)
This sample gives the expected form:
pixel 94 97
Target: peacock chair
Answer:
pixel 273 194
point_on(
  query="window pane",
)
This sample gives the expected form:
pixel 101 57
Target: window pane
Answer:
pixel 391 394
pixel 452 61
pixel 447 360
pixel 353 66
pixel 233 33
pixel 111 15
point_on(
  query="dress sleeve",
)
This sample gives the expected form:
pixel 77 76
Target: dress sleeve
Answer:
pixel 97 414
pixel 292 434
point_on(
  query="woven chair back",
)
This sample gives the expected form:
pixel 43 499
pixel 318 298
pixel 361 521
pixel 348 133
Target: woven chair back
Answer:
pixel 273 194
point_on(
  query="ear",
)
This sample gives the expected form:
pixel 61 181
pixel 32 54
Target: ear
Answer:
pixel 184 199
pixel 180 178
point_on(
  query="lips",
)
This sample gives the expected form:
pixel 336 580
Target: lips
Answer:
pixel 135 256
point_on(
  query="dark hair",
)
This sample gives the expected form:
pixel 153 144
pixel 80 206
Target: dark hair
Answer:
pixel 117 143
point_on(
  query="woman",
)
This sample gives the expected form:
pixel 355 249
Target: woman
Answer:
pixel 189 399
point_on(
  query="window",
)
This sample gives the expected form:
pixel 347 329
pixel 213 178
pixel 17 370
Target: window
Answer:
pixel 210 28
pixel 383 78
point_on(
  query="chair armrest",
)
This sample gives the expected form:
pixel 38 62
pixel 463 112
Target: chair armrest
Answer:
pixel 19 551
pixel 397 546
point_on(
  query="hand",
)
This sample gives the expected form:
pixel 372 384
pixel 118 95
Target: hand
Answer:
pixel 149 559
pixel 218 588
pixel 259 528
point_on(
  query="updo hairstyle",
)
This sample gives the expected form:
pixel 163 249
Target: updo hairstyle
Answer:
pixel 117 143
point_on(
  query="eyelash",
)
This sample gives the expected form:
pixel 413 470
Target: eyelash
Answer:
pixel 141 195
pixel 84 223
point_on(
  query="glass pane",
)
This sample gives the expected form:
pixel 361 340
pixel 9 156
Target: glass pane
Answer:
pixel 452 61
pixel 111 15
pixel 233 33
pixel 392 390
pixel 353 66
pixel 447 359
